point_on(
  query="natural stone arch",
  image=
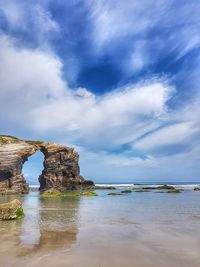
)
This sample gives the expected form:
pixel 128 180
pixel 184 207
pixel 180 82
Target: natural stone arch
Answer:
pixel 61 168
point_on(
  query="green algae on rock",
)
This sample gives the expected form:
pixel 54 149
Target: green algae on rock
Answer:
pixel 175 191
pixel 160 187
pixel 70 194
pixel 11 210
pixel 126 191
pixel 19 213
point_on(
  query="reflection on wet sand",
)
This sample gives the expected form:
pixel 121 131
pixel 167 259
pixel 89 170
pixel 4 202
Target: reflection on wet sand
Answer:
pixel 54 226
pixel 49 225
pixel 135 230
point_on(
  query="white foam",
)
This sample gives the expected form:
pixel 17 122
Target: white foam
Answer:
pixel 186 186
pixel 116 185
pixel 34 185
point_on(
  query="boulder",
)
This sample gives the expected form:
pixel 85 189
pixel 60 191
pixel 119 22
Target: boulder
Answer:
pixel 11 210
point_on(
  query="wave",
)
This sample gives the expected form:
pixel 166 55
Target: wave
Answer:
pixel 116 185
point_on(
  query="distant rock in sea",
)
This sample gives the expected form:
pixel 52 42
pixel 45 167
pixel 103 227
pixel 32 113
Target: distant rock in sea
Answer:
pixel 197 189
pixel 161 187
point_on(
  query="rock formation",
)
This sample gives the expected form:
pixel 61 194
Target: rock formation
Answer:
pixel 161 187
pixel 197 189
pixel 61 168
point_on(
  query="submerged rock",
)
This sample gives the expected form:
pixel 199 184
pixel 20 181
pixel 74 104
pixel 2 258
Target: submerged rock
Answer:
pixel 61 167
pixel 175 191
pixel 55 193
pixel 11 210
pixel 114 194
pixel 161 187
pixel 126 191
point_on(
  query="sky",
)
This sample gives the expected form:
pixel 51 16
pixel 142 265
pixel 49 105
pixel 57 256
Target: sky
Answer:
pixel 117 80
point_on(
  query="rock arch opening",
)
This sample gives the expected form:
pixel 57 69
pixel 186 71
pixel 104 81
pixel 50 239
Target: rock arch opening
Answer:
pixel 32 168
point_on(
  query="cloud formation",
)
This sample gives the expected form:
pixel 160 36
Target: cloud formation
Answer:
pixel 38 96
pixel 149 121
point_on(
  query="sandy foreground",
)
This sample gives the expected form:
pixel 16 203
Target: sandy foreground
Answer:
pixel 104 232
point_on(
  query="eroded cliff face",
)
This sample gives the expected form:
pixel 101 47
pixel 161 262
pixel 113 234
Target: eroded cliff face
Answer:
pixel 61 168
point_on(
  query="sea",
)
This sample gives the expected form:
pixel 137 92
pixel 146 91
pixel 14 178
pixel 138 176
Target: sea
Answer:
pixel 183 185
pixel 137 229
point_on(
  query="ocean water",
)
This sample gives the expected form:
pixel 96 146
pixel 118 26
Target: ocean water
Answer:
pixel 140 229
pixel 187 186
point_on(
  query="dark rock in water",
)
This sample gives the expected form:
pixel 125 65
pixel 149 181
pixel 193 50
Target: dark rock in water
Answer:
pixel 175 191
pixel 141 190
pixel 170 191
pixel 126 191
pixel 61 168
pixel 99 187
pixel 114 194
pixel 161 187
pixel 197 189
pixel 11 210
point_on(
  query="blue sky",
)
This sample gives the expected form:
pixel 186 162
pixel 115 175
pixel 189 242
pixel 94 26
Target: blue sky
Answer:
pixel 118 80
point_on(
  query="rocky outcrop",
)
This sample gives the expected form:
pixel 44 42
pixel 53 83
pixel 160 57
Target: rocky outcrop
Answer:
pixel 61 168
pixel 161 187
pixel 11 210
pixel 197 189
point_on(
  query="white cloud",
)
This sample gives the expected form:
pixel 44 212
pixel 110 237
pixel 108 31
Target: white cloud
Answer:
pixel 152 30
pixel 29 78
pixel 35 98
pixel 33 90
pixel 108 121
pixel 175 134
pixel 27 18
pixel 114 20
pixel 117 167
pixel 183 129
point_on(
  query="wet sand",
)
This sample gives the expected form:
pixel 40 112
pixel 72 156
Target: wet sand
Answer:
pixel 137 229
